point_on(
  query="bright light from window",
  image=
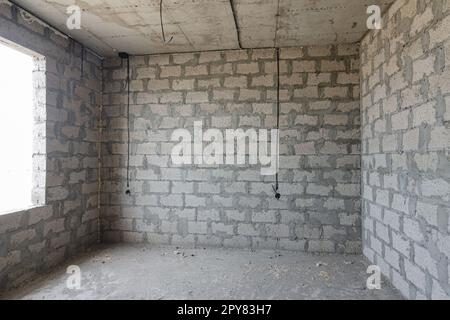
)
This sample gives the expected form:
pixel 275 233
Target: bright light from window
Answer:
pixel 16 129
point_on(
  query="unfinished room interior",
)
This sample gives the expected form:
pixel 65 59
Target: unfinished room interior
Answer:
pixel 225 149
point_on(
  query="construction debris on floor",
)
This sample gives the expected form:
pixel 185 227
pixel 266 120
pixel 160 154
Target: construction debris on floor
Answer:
pixel 144 272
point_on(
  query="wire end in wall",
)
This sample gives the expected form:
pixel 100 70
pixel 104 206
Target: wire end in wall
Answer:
pixel 277 193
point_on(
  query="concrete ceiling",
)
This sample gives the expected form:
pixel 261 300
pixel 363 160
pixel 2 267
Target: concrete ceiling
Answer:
pixel 109 26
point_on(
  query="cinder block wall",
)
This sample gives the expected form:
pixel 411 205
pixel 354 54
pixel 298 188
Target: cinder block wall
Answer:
pixel 31 241
pixel 234 206
pixel 405 70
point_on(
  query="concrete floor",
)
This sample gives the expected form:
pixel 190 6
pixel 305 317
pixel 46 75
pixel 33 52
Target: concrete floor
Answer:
pixel 144 272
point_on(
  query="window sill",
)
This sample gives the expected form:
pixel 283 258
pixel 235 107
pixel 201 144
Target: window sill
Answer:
pixel 23 210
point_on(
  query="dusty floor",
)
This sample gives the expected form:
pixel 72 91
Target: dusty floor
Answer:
pixel 143 272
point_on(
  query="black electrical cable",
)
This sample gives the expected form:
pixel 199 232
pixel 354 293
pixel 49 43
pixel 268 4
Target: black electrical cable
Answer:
pixel 82 62
pixel 128 125
pixel 126 56
pixel 276 187
pixel 162 23
pixel 233 11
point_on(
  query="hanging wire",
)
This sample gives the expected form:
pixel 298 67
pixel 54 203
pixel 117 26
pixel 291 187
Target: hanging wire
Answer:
pixel 275 188
pixel 162 24
pixel 82 62
pixel 126 56
pixel 277 25
pixel 238 33
pixel 100 165
pixel 128 192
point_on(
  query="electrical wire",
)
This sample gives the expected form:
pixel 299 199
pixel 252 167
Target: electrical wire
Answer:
pixel 128 126
pixel 82 62
pixel 233 11
pixel 162 23
pixel 100 165
pixel 126 56
pixel 28 18
pixel 277 185
pixel 277 25
pixel 276 188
